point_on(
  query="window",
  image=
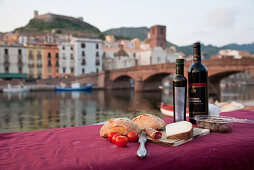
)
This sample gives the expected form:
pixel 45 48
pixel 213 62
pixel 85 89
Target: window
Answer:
pixel 19 52
pixel 64 69
pixel 5 51
pixel 39 70
pixel 6 69
pixel 97 70
pixel 83 45
pixel 31 71
pixel 97 63
pixel 20 69
pixel 97 54
pixel 38 55
pixel 49 63
pixel 49 69
pixel 161 31
pixel 83 53
pixel 57 56
pixel 97 46
pixel 134 55
pixel 57 64
pixel 114 54
pixel 63 56
pixel 83 62
pixel 83 71
pixel 71 48
pixel 159 59
pixel 72 69
pixel 49 55
pixel 63 48
pixel 72 58
pixel 153 31
pixel 125 62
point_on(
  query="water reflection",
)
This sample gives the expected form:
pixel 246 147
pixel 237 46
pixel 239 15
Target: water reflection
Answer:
pixel 46 110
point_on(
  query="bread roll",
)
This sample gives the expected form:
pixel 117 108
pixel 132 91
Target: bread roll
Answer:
pixel 149 121
pixel 182 130
pixel 120 125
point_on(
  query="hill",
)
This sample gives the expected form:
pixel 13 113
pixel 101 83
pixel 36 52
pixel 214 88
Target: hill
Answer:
pixel 246 47
pixel 61 24
pixel 129 32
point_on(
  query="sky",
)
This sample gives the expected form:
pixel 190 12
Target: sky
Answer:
pixel 216 22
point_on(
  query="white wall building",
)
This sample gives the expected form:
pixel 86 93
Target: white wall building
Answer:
pixel 80 56
pixel 229 52
pixel 13 59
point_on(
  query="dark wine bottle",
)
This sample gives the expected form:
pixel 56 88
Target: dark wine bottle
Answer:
pixel 198 85
pixel 179 92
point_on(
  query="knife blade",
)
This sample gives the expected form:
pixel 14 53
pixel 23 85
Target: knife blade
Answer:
pixel 141 152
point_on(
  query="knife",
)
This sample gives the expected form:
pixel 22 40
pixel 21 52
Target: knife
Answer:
pixel 142 140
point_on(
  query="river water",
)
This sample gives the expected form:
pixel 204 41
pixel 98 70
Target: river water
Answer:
pixel 46 110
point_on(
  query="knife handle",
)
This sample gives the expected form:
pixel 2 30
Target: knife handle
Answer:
pixel 142 150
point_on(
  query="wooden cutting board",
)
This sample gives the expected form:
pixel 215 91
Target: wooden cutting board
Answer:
pixel 197 132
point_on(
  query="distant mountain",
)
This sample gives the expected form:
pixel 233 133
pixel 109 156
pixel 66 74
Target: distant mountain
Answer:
pixel 60 24
pixel 246 47
pixel 129 32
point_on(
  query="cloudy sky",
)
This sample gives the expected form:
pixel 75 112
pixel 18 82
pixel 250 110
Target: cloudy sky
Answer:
pixel 216 22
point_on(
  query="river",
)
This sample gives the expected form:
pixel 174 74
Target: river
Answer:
pixel 46 110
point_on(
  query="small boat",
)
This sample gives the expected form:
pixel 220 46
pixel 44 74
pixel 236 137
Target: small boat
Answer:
pixel 168 110
pixel 74 87
pixel 16 89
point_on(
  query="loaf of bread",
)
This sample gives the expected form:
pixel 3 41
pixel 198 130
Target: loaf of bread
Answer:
pixel 120 125
pixel 182 130
pixel 149 121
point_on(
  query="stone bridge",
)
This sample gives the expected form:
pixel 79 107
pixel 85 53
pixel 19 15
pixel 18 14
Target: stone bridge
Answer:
pixel 149 77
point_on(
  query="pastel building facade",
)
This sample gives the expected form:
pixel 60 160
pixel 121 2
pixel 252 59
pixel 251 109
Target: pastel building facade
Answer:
pixel 80 56
pixel 13 61
pixel 36 63
pixel 51 61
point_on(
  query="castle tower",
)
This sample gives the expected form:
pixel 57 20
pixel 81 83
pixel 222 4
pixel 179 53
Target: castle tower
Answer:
pixel 36 14
pixel 158 36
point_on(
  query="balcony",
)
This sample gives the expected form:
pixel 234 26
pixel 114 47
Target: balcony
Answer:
pixel 6 62
pixel 30 64
pixel 39 65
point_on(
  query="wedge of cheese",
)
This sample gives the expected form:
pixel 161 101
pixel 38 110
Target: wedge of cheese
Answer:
pixel 182 130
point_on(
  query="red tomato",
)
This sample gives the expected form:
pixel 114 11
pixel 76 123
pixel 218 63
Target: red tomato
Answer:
pixel 114 138
pixel 132 136
pixel 110 135
pixel 121 140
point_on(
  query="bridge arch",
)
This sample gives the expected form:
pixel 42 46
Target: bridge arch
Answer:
pixel 123 82
pixel 152 82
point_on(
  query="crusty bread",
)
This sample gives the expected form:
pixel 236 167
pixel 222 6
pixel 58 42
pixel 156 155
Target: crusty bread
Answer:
pixel 149 121
pixel 182 130
pixel 120 125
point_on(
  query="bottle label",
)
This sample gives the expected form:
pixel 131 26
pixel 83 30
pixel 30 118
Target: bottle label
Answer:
pixel 197 99
pixel 179 103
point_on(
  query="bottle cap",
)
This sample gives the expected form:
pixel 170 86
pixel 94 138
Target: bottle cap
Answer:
pixel 179 61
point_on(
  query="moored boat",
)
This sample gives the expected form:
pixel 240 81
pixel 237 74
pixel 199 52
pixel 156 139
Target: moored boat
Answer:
pixel 168 110
pixel 74 87
pixel 16 89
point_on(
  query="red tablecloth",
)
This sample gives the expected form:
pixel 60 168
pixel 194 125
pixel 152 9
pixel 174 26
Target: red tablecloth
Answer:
pixel 82 148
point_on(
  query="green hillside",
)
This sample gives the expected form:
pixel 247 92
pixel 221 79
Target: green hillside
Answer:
pixel 129 32
pixel 61 24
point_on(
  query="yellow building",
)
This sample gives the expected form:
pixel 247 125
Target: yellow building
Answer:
pixel 110 38
pixel 136 43
pixel 35 60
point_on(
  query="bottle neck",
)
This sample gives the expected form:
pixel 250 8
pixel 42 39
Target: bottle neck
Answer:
pixel 180 69
pixel 196 54
pixel 197 58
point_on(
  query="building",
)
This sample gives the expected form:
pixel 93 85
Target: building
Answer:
pixel 158 36
pixel 123 60
pixel 36 63
pixel 51 61
pixel 80 56
pixel 13 62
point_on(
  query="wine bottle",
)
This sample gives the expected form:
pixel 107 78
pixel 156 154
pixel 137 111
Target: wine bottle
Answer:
pixel 179 92
pixel 198 85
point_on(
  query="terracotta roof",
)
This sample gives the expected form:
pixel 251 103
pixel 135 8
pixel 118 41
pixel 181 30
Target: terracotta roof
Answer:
pixel 121 52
